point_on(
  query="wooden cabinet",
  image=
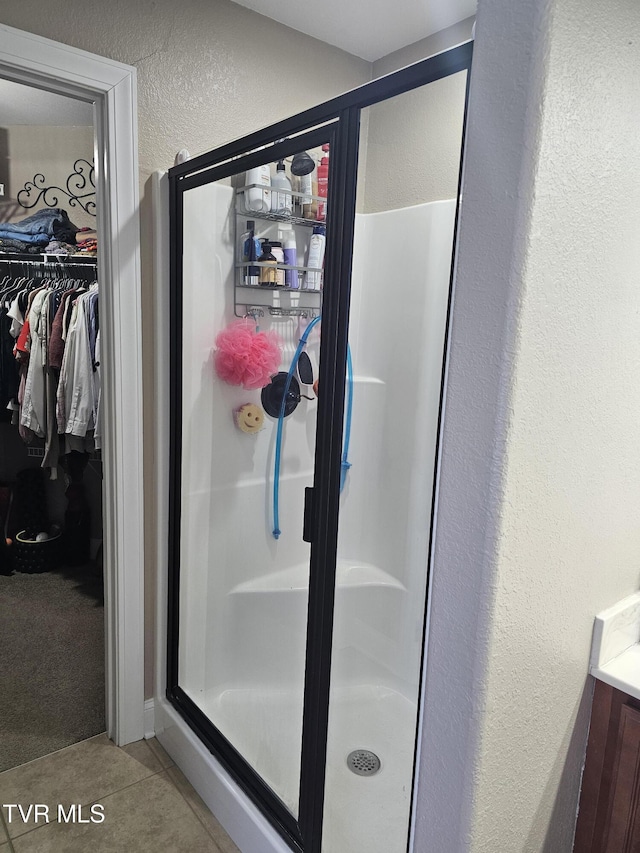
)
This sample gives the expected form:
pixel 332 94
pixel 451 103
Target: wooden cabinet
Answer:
pixel 609 812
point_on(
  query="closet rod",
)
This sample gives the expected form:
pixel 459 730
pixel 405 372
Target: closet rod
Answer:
pixel 49 263
pixel 45 258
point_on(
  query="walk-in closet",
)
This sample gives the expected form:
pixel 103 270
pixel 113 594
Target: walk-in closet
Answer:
pixel 51 428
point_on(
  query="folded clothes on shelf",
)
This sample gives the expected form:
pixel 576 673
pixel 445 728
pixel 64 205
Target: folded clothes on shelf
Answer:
pixel 57 247
pixel 42 226
pixel 9 245
pixel 24 237
pixel 88 246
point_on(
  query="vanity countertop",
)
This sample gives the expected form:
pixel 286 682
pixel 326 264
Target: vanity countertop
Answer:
pixel 615 648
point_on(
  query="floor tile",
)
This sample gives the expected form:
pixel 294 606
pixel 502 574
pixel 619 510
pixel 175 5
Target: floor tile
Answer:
pixel 214 829
pixel 163 757
pixel 142 752
pixel 146 817
pixel 82 773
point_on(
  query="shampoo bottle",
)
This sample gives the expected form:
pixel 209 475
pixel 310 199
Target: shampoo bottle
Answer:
pixel 290 256
pixel 316 258
pixel 281 202
pixel 258 198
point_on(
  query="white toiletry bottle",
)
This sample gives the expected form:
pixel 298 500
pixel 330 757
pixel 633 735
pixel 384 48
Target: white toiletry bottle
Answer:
pixel 290 247
pixel 316 258
pixel 278 253
pixel 258 198
pixel 281 202
pixel 305 186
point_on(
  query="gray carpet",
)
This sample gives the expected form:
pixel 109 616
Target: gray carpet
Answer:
pixel 51 662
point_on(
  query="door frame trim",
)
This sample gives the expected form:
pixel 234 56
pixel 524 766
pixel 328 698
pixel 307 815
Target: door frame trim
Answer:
pixel 111 87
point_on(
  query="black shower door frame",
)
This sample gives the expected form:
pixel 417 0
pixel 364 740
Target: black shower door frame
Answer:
pixel 337 122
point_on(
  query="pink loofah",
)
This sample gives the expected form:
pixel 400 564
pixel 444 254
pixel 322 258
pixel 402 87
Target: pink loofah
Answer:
pixel 246 357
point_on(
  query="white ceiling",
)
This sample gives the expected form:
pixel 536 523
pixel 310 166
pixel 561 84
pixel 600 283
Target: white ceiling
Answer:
pixel 20 104
pixel 366 28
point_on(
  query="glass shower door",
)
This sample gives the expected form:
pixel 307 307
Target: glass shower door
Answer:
pixel 247 323
pixel 404 234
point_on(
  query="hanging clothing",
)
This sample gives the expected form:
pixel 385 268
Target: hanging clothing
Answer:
pixel 49 357
pixel 17 317
pixel 56 343
pixel 9 375
pixel 97 433
pixel 77 395
pixel 32 414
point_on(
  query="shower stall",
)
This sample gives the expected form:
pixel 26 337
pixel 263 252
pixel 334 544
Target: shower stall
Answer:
pixel 299 542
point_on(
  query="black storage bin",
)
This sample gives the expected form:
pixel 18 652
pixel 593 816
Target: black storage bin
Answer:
pixel 31 557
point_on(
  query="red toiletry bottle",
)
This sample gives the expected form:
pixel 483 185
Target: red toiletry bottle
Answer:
pixel 323 184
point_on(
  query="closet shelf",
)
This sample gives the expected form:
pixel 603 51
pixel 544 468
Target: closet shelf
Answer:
pixel 38 453
pixel 47 258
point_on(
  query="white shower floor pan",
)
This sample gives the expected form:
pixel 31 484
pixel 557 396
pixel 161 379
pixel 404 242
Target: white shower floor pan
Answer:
pixel 363 814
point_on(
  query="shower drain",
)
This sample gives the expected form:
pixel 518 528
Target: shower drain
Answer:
pixel 363 762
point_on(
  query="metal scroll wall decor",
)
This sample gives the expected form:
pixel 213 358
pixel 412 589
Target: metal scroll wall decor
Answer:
pixel 80 189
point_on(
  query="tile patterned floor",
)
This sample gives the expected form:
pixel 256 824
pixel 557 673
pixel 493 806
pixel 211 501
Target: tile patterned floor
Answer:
pixel 148 803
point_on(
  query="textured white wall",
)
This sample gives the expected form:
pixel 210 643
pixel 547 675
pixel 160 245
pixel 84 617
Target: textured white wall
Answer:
pixel 425 166
pixel 570 538
pixel 436 43
pixel 539 491
pixel 423 163
pixel 208 70
pixel 52 151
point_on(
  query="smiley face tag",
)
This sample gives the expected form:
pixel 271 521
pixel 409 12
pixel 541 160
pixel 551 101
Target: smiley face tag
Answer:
pixel 249 418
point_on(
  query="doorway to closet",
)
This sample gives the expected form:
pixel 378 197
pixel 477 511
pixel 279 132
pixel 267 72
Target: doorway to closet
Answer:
pixel 109 90
pixel 51 582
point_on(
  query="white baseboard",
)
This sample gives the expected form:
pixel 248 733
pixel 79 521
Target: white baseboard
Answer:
pixel 149 719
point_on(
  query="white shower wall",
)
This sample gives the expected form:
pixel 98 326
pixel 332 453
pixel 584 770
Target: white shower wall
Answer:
pixel 401 273
pixel 226 542
pixel 244 594
pixel 401 270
